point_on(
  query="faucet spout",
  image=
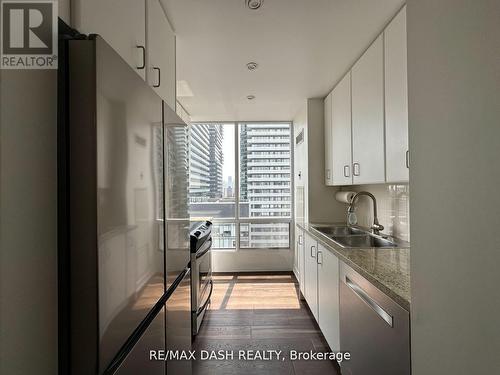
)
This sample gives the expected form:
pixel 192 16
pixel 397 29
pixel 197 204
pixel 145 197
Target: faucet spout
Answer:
pixel 376 227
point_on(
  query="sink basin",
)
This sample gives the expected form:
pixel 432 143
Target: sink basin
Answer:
pixel 338 230
pixel 347 236
pixel 365 240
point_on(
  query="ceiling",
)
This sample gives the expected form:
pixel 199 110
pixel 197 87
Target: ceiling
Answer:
pixel 303 47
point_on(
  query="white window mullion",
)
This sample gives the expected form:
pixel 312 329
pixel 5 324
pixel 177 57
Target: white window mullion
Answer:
pixel 237 182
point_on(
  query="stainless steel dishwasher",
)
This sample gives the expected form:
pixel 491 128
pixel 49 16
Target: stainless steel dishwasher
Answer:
pixel 373 328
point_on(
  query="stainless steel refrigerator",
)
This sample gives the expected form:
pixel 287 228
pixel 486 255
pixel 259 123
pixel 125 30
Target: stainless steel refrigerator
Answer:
pixel 124 247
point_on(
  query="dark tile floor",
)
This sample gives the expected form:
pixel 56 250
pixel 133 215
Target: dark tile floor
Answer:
pixel 260 312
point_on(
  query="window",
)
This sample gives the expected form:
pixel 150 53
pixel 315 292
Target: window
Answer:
pixel 253 210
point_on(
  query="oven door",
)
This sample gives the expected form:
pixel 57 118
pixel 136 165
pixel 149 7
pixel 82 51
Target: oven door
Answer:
pixel 204 269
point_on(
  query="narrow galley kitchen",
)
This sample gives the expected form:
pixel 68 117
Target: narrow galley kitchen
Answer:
pixel 249 187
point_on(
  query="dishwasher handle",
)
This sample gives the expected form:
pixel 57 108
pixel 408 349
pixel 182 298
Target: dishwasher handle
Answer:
pixel 369 301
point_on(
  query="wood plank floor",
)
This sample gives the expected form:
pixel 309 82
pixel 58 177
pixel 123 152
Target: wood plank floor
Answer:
pixel 260 312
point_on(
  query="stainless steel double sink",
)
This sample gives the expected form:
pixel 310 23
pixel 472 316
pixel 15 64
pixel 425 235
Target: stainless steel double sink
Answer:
pixel 353 237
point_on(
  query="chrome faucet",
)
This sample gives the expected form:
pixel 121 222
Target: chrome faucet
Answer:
pixel 376 227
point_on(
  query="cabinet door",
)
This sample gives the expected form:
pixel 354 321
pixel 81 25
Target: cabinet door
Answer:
pixel 121 23
pixel 396 100
pixel 341 132
pixel 368 116
pixel 300 259
pixel 161 53
pixel 311 276
pixel 328 296
pixel 328 140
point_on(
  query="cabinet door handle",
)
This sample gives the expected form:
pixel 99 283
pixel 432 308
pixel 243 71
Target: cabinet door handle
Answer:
pixel 300 239
pixel 328 174
pixel 317 258
pixel 346 171
pixel 356 169
pixel 143 49
pixel 369 301
pixel 407 156
pixel 159 76
pixel 313 255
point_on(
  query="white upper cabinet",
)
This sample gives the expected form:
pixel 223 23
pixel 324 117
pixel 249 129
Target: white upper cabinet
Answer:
pixel 121 23
pixel 368 116
pixel 328 140
pixel 341 133
pixel 160 53
pixel 396 100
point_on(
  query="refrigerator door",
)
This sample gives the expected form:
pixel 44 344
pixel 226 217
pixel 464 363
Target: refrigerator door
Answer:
pixel 130 216
pixel 176 194
pixel 178 330
pixel 116 202
pixel 138 360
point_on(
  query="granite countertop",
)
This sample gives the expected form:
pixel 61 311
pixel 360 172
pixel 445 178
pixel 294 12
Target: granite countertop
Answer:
pixel 388 269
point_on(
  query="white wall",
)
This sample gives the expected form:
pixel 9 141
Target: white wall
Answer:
pixel 322 205
pixel 454 123
pixel 252 260
pixel 28 230
pixel 28 219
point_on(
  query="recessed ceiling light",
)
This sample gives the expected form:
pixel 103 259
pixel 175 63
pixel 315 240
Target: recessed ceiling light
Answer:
pixel 251 97
pixel 254 4
pixel 252 65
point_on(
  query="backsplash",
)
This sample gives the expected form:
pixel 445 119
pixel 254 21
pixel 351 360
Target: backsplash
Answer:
pixel 393 204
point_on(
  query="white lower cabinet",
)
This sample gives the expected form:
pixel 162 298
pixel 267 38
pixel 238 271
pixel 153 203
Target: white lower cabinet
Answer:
pixel 311 274
pixel 319 283
pixel 328 296
pixel 299 258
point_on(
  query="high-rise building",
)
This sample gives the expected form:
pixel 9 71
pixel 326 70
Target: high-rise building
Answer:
pixel 206 160
pixel 216 160
pixel 177 171
pixel 266 181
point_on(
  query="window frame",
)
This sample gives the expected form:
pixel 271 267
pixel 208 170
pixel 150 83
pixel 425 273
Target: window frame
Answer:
pixel 237 220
